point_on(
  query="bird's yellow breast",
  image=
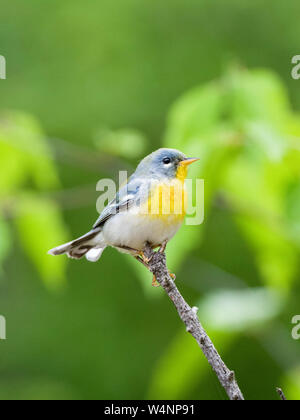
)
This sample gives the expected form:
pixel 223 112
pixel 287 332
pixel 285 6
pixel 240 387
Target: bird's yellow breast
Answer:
pixel 167 201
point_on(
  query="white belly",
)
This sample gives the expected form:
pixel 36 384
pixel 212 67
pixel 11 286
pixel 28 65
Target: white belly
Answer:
pixel 132 230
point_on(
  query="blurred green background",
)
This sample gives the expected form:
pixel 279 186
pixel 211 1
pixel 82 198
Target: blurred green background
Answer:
pixel 91 88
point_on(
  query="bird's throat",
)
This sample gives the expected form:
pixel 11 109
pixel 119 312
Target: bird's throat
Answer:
pixel 182 172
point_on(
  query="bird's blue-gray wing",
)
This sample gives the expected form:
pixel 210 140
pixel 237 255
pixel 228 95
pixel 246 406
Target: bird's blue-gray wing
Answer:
pixel 127 196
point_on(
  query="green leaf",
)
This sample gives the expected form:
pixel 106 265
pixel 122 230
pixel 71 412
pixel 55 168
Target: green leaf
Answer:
pixel 40 228
pixel 195 114
pixel 258 95
pixel 13 170
pixel 275 253
pixel 240 310
pixel 24 153
pixel 256 188
pixel 267 141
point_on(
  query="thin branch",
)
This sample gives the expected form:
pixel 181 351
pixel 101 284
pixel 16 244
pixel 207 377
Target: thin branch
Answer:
pixel 157 265
pixel 281 394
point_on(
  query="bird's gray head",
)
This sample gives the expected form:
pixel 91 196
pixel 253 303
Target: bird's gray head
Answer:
pixel 163 163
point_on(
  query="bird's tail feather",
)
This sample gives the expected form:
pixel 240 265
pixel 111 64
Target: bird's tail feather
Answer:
pixel 90 245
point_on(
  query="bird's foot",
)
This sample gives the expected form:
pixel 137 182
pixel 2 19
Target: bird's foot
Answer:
pixel 144 257
pixel 172 275
pixel 155 282
pixel 163 247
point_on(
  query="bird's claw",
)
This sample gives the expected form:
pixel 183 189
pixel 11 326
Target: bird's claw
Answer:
pixel 172 275
pixel 145 258
pixel 163 247
pixel 155 282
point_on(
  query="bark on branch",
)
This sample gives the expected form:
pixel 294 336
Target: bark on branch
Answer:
pixel 281 394
pixel 158 266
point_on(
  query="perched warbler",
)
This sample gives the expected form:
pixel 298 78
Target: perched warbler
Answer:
pixel 150 208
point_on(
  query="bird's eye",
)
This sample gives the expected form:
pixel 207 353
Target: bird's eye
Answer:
pixel 166 160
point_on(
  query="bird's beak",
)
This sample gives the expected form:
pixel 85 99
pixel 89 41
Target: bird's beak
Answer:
pixel 188 161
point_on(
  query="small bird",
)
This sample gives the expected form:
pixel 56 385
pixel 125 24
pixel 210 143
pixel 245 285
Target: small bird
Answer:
pixel 150 208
